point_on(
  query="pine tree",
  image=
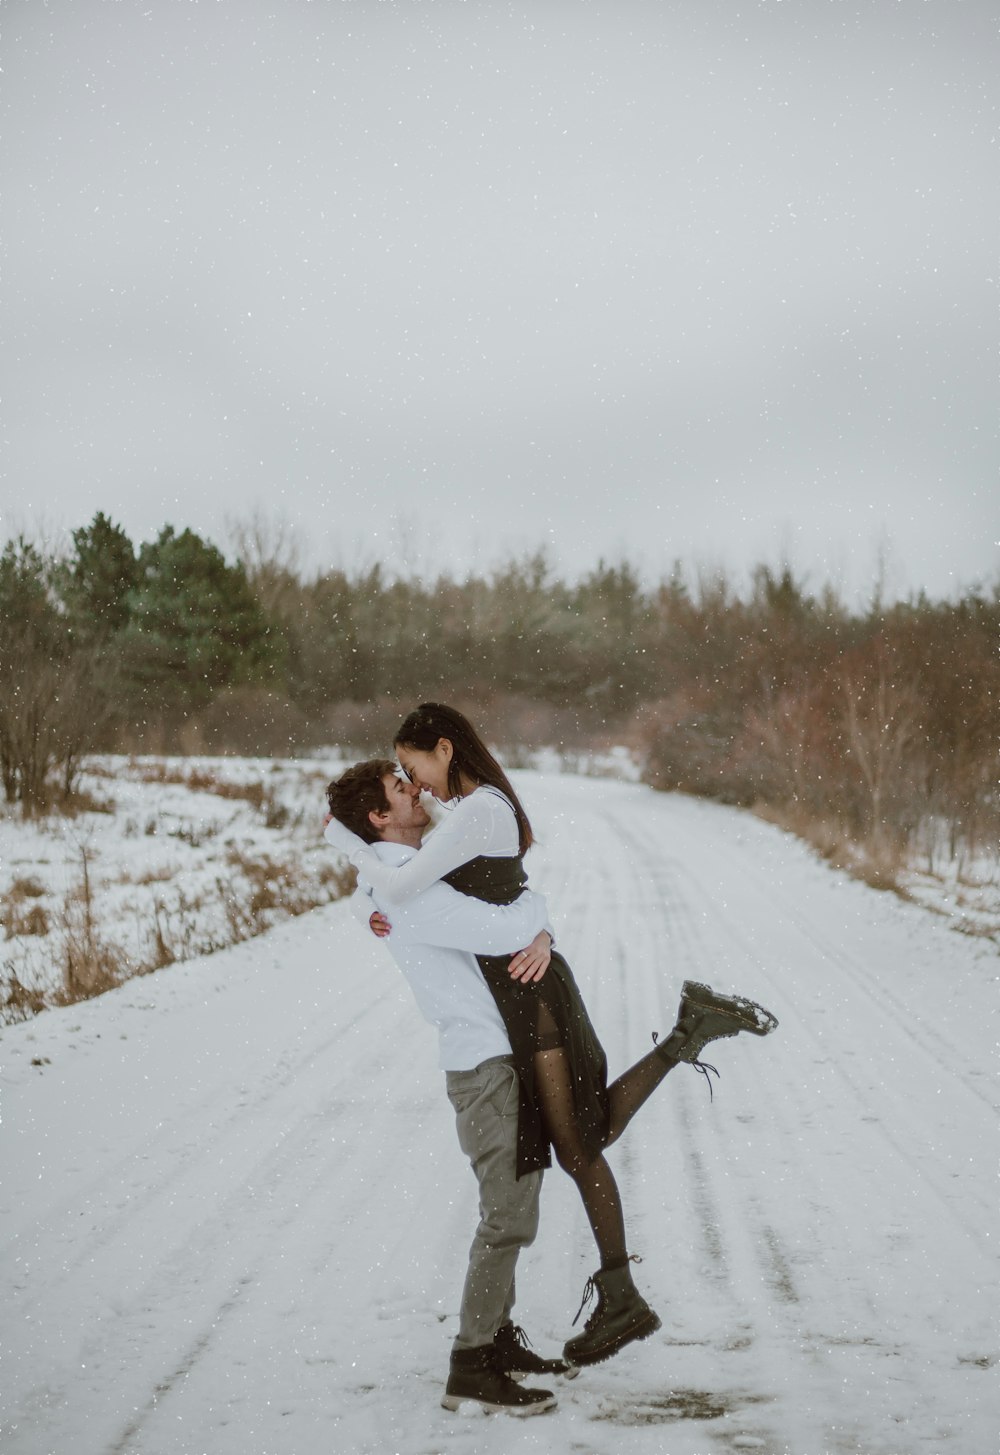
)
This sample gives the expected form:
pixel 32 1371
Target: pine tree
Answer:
pixel 99 578
pixel 45 719
pixel 194 624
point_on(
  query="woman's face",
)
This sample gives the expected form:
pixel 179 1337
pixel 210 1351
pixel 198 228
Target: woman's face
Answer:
pixel 427 770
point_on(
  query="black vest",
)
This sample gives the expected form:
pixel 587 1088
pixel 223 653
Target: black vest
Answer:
pixel 495 881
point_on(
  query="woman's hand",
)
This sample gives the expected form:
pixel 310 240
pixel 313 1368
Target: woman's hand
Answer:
pixel 379 925
pixel 532 963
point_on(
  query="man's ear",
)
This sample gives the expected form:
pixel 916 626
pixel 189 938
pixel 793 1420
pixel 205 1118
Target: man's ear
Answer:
pixel 377 819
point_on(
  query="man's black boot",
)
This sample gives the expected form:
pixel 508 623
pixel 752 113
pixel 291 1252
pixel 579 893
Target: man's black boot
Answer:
pixel 622 1315
pixel 514 1357
pixel 474 1375
pixel 704 1015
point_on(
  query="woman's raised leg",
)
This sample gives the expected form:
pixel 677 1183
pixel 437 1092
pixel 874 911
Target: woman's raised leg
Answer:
pixel 634 1088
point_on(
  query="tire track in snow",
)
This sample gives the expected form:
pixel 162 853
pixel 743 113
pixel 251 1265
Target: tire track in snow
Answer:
pixel 655 946
pixel 752 1234
pixel 184 1159
pixel 223 1208
pixel 623 946
pixel 846 1066
pixel 203 1278
pixel 805 1027
pixel 945 1055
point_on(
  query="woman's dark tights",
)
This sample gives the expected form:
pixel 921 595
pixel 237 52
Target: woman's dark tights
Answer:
pixel 593 1176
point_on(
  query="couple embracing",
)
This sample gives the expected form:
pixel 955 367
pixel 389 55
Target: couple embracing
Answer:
pixel 525 1070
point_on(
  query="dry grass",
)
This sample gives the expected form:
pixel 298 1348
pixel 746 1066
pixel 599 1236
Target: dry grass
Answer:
pixel 20 917
pixel 194 835
pixel 263 889
pixel 155 772
pixel 82 952
pixel 90 964
pixel 149 876
pixel 81 800
pixel 21 920
pixel 198 780
pixel 876 861
pixel 19 1003
pixel 60 804
pixel 203 780
pixel 258 892
pixel 26 888
pixel 253 793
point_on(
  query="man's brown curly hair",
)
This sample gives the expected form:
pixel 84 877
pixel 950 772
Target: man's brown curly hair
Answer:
pixel 359 792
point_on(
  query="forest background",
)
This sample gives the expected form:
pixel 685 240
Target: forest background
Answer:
pixel 871 730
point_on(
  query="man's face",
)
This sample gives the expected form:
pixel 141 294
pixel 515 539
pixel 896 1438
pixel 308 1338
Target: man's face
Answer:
pixel 406 818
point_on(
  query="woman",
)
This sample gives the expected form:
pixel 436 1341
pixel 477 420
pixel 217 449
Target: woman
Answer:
pixel 565 1099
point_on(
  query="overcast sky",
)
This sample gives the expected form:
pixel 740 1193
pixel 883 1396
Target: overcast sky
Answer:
pixel 436 280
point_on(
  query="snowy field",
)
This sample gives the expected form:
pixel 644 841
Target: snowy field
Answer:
pixel 180 856
pixel 235 1216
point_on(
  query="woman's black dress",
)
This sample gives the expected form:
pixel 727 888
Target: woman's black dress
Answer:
pixel 530 1011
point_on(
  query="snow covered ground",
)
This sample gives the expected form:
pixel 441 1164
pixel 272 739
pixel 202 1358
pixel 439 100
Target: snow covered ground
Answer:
pixel 235 1216
pixel 968 893
pixel 181 856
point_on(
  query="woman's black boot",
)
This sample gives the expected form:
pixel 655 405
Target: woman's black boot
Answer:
pixel 622 1315
pixel 705 1015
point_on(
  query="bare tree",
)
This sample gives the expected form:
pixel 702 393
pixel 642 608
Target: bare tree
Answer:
pixel 881 718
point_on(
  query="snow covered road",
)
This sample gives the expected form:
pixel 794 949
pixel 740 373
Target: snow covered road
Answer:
pixel 234 1215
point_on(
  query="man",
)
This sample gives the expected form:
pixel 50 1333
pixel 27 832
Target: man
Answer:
pixel 434 939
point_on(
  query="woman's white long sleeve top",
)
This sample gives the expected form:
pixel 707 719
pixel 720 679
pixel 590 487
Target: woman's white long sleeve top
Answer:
pixel 482 823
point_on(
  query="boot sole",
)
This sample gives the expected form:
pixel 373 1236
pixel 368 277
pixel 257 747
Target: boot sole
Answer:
pixel 537 1407
pixel 747 1014
pixel 642 1330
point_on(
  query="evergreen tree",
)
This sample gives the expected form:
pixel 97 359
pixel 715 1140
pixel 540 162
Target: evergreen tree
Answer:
pixel 46 713
pixel 28 633
pixel 194 624
pixel 99 579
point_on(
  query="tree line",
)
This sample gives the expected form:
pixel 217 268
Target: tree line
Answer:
pixel 878 719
